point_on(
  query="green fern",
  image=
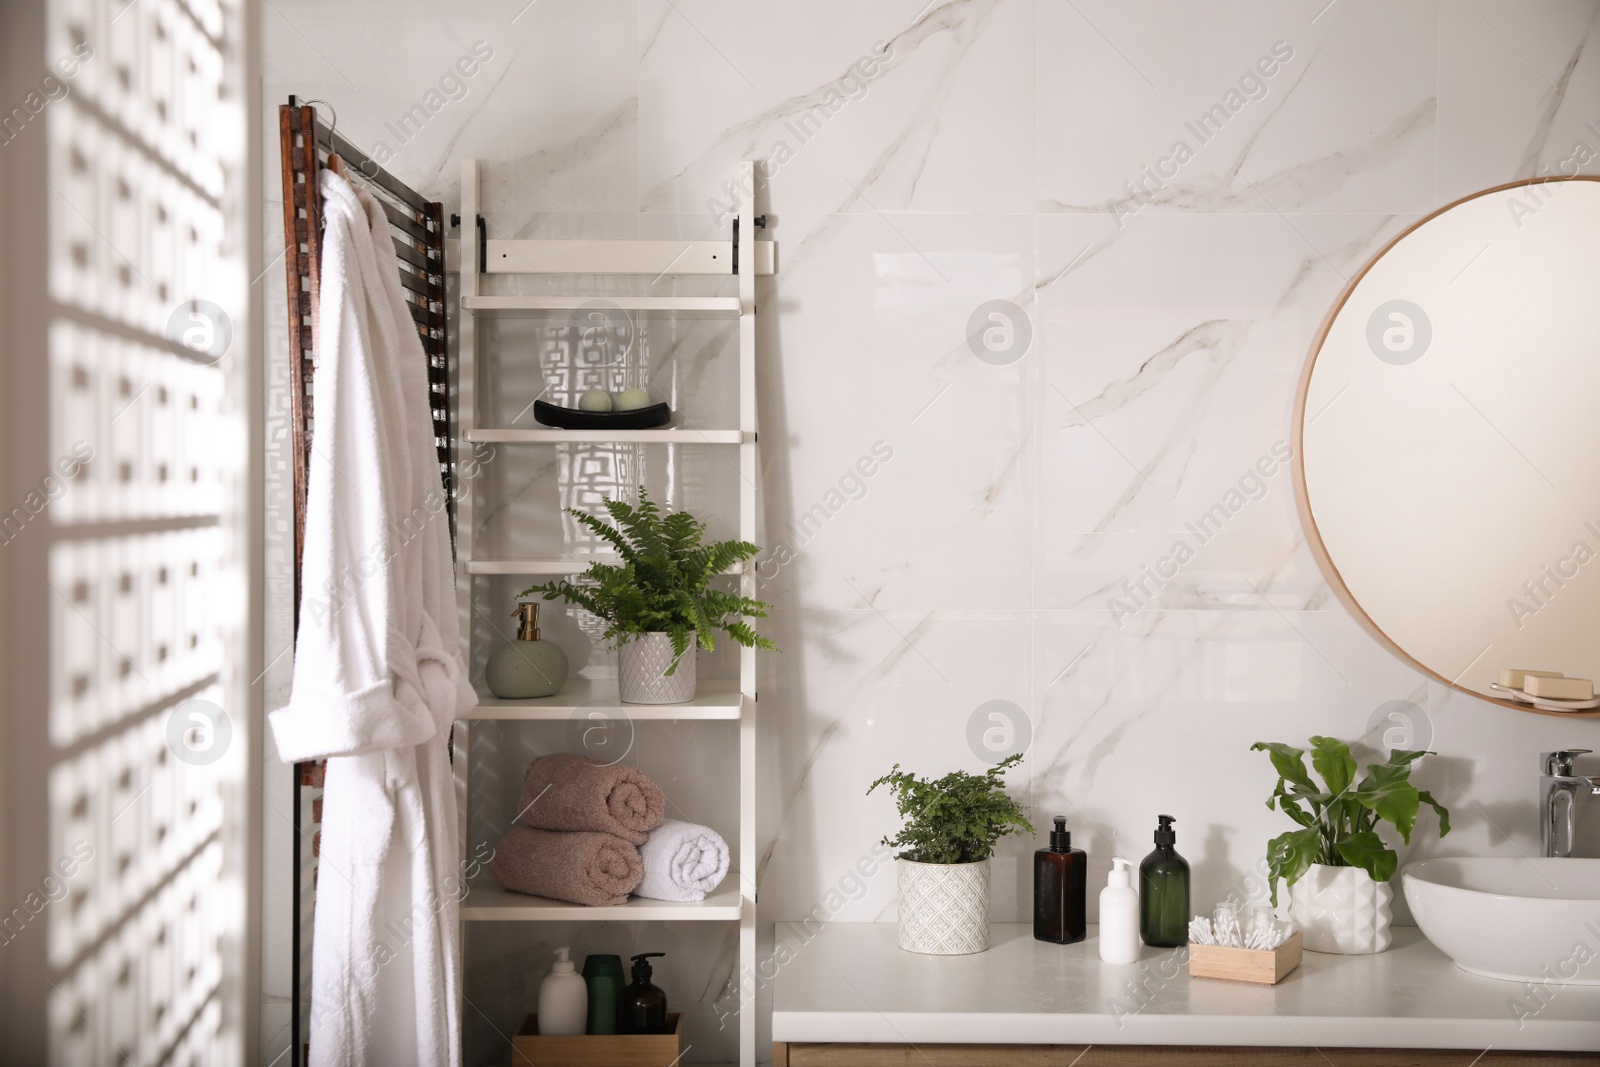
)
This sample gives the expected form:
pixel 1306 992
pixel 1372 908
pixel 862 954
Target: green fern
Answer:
pixel 954 819
pixel 663 582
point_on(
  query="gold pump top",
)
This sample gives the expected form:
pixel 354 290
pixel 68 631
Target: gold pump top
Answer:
pixel 529 628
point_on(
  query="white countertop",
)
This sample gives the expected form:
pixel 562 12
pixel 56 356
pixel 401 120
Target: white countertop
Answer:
pixel 851 982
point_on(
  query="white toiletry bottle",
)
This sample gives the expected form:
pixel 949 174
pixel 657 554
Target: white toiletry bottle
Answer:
pixel 1119 915
pixel 563 1000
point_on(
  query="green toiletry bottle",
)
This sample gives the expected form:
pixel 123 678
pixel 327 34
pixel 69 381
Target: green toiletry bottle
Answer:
pixel 603 974
pixel 1164 891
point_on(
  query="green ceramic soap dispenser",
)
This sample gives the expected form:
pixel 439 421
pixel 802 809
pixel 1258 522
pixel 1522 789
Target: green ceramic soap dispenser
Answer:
pixel 527 667
pixel 1164 891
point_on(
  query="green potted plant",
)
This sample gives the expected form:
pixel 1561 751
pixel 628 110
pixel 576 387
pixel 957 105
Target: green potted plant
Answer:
pixel 950 829
pixel 658 604
pixel 1337 867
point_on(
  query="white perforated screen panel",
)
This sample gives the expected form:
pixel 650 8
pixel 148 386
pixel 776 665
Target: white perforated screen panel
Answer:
pixel 129 563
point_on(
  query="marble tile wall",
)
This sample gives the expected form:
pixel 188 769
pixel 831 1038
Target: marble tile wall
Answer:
pixel 1172 193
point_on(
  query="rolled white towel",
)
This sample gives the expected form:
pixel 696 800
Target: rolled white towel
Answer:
pixel 682 861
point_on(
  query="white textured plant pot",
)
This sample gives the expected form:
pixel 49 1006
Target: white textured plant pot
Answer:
pixel 642 666
pixel 1341 909
pixel 944 907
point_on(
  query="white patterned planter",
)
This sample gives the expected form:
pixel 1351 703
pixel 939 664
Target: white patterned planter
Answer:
pixel 944 907
pixel 642 670
pixel 1341 909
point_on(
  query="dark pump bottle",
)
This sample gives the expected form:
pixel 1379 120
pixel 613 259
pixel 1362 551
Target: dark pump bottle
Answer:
pixel 1164 892
pixel 1060 877
pixel 642 1008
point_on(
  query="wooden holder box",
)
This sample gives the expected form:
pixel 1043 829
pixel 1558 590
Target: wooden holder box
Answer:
pixel 1245 964
pixel 530 1049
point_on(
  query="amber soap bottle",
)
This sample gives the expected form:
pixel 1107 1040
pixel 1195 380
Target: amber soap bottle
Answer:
pixel 1060 881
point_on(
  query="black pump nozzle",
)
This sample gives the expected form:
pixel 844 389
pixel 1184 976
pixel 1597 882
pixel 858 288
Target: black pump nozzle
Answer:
pixel 1164 834
pixel 1060 838
pixel 641 965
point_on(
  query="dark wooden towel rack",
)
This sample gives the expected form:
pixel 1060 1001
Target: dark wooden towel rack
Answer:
pixel 417 226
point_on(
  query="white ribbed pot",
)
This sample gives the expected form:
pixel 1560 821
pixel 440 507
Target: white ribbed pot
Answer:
pixel 944 907
pixel 1341 909
pixel 642 665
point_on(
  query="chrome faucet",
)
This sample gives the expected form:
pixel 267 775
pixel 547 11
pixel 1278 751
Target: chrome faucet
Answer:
pixel 1569 806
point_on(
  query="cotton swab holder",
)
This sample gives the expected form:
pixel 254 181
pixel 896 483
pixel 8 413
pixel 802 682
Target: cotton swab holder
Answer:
pixel 1262 951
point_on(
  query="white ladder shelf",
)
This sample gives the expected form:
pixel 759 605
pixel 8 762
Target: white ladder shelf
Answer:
pixel 735 899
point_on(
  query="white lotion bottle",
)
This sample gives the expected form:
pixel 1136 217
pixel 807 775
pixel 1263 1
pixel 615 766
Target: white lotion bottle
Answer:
pixel 563 1000
pixel 1119 915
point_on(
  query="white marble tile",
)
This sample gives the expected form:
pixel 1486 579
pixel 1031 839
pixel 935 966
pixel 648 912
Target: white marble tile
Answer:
pixel 1165 389
pixel 860 107
pixel 1519 92
pixel 1338 116
pixel 854 693
pixel 275 1029
pixel 872 372
pixel 551 97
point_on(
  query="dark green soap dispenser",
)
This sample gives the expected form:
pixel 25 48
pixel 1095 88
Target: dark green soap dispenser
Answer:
pixel 642 1008
pixel 1164 891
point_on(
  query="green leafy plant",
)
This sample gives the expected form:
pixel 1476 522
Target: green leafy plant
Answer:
pixel 1340 827
pixel 663 582
pixel 956 819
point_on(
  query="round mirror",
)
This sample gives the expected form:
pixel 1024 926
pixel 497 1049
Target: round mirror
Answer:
pixel 1448 422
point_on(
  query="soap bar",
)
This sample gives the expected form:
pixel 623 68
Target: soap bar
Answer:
pixel 1560 688
pixel 1512 678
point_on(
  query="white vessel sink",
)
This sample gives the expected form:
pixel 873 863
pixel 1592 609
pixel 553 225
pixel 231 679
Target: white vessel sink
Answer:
pixel 1533 919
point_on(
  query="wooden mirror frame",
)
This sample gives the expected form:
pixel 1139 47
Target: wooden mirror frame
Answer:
pixel 1302 501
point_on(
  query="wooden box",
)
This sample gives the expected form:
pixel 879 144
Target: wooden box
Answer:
pixel 530 1049
pixel 1245 964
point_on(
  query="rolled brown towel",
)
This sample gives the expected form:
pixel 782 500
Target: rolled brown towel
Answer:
pixel 570 792
pixel 584 868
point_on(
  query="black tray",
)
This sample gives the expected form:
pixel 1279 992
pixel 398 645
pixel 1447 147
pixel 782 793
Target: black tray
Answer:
pixel 574 419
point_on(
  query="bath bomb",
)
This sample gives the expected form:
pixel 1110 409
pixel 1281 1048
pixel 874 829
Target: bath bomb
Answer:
pixel 595 400
pixel 630 399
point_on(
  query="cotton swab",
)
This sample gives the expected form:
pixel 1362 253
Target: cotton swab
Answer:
pixel 1265 932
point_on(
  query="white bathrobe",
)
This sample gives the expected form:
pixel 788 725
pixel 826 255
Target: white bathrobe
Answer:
pixel 378 674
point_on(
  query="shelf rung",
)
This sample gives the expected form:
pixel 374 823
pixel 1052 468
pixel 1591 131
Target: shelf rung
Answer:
pixel 714 699
pixel 621 257
pixel 554 436
pixel 653 258
pixel 720 304
pixel 490 903
pixel 568 565
pixel 553 565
